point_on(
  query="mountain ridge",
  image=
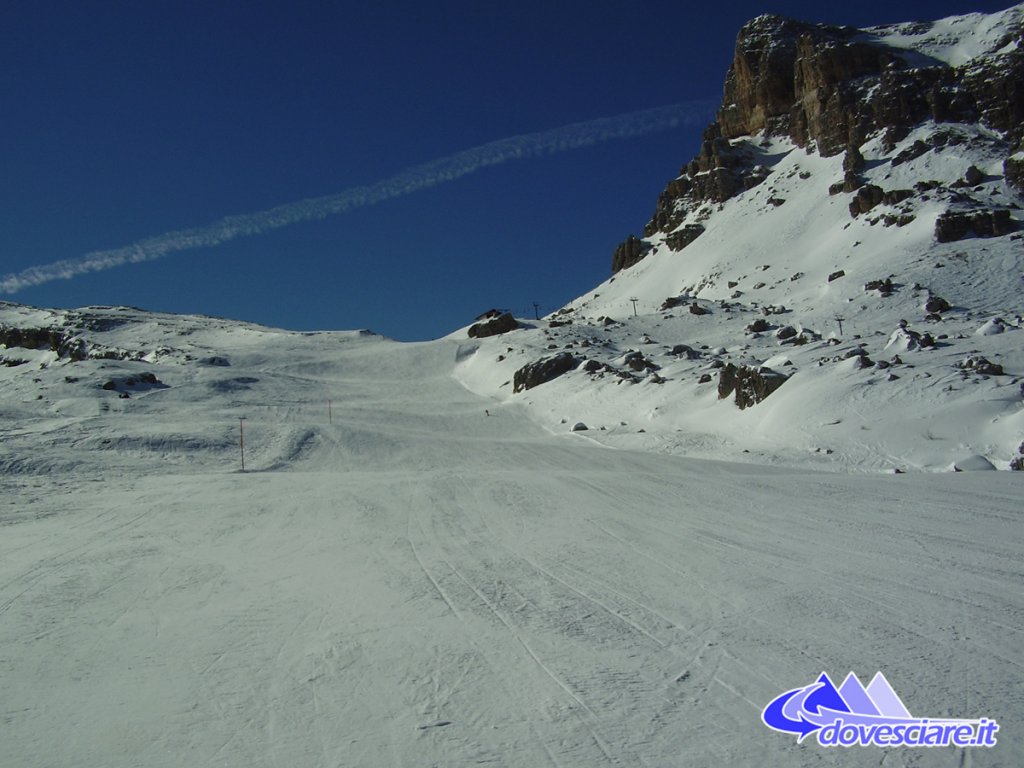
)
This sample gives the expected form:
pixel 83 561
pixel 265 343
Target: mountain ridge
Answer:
pixel 829 88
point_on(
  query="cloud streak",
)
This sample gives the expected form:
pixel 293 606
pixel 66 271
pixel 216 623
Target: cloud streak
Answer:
pixel 425 176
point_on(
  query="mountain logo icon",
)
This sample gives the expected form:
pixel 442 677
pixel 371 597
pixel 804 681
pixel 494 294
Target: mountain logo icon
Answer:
pixel 853 714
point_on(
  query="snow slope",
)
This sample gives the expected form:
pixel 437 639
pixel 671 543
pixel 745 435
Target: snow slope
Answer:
pixel 404 580
pixel 788 253
pixel 883 284
pixel 956 40
pixel 421 567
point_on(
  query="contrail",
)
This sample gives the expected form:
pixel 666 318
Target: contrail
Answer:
pixel 431 174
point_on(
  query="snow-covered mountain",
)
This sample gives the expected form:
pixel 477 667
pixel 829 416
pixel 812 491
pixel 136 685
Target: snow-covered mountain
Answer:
pixel 852 224
pixel 428 560
pixel 408 573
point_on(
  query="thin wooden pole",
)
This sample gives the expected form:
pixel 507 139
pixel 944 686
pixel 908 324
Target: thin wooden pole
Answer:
pixel 241 440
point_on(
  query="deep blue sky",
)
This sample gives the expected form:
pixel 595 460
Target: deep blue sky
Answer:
pixel 125 120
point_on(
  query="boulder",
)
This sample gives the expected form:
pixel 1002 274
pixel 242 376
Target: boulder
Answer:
pixel 973 176
pixel 982 365
pixel 685 350
pixel 138 382
pixel 501 324
pixel 884 287
pixel 637 362
pixel 956 225
pixel 748 385
pixel 867 197
pixel 906 340
pixel 544 370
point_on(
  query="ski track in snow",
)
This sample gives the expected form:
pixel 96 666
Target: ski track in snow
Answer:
pixel 415 583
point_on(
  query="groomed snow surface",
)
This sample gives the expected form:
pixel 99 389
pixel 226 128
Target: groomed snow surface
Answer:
pixel 400 579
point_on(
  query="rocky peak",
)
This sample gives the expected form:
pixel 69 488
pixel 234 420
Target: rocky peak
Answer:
pixel 776 60
pixel 830 88
pixel 834 86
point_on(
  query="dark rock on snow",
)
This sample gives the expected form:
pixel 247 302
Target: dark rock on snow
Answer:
pixel 749 385
pixel 543 370
pixel 501 324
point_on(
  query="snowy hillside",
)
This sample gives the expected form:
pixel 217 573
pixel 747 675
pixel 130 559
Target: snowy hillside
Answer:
pixel 766 256
pixel 401 579
pixel 601 538
pixel 883 284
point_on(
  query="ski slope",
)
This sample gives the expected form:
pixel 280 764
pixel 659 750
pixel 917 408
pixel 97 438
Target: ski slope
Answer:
pixel 404 580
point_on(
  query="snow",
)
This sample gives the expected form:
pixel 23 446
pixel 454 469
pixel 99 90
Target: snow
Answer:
pixel 834 413
pixel 420 567
pixel 956 40
pixel 991 327
pixel 406 580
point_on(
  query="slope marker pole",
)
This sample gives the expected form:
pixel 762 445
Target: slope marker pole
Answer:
pixel 241 440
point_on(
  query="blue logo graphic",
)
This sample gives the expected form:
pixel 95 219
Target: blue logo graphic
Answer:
pixel 855 715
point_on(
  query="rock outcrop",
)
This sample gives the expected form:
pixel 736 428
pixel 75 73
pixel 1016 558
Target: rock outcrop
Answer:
pixel 501 324
pixel 629 252
pixel 56 340
pixel 834 86
pixel 544 370
pixel 829 88
pixel 956 225
pixel 748 385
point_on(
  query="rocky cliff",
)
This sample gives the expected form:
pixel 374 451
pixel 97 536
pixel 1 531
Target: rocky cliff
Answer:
pixel 830 89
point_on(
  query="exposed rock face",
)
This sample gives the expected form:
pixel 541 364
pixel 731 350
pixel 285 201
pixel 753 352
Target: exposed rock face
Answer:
pixel 867 197
pixel 720 171
pixel 629 252
pixel 65 345
pixel 683 236
pixel 956 225
pixel 831 87
pixel 750 385
pixel 854 161
pixel 544 370
pixel 501 324
pixel 1013 167
pixel 870 195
